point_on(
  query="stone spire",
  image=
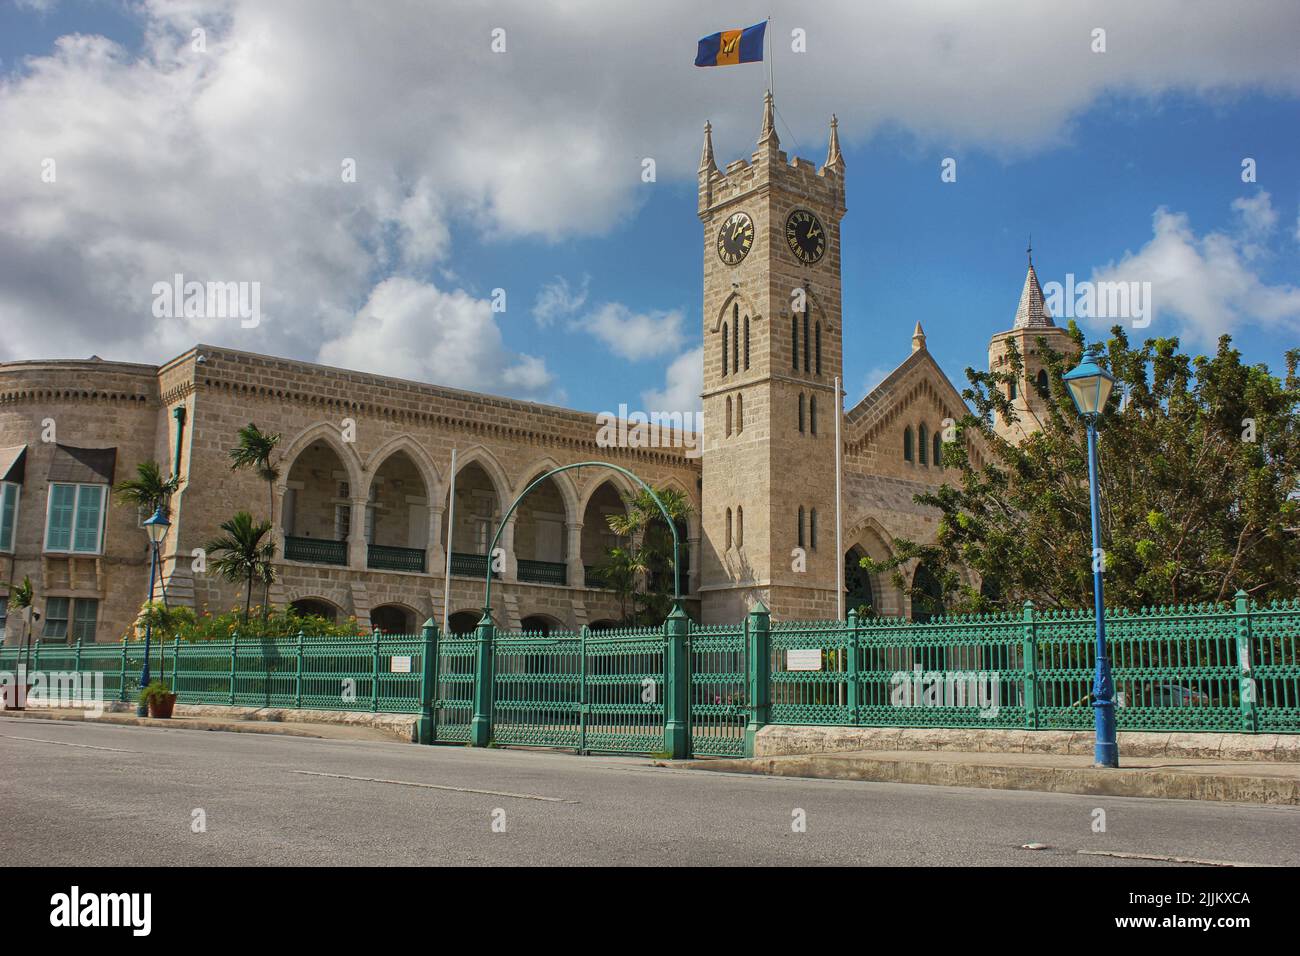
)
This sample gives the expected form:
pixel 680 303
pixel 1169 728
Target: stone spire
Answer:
pixel 918 339
pixel 1032 312
pixel 833 157
pixel 707 162
pixel 768 135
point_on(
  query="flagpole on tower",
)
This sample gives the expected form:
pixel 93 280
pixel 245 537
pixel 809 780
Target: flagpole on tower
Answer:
pixel 771 57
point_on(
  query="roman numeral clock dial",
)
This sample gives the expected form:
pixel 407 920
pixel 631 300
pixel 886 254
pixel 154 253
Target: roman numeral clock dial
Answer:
pixel 805 236
pixel 735 238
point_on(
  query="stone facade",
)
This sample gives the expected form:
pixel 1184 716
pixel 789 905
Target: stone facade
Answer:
pixel 361 503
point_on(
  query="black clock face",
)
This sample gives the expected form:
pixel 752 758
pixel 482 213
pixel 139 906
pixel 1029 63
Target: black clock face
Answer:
pixel 805 236
pixel 735 237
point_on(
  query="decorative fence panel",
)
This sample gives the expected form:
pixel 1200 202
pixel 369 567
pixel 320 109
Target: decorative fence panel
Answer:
pixel 453 703
pixel 719 702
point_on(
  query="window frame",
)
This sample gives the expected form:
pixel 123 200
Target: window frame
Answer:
pixel 13 523
pixel 72 548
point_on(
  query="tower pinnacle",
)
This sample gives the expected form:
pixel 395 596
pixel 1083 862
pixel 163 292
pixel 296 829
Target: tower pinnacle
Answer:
pixel 833 156
pixel 768 134
pixel 918 338
pixel 707 162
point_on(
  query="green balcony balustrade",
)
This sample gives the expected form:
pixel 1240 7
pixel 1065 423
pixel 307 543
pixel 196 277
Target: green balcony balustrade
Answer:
pixel 316 550
pixel 385 557
pixel 470 565
pixel 543 572
pixel 593 576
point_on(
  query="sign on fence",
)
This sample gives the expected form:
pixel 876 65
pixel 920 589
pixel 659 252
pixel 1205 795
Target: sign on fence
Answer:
pixel 399 665
pixel 803 660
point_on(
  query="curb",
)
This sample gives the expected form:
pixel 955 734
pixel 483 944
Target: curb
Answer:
pixel 1161 783
pixel 172 724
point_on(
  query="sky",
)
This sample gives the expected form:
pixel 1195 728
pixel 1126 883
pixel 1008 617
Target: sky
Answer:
pixel 497 231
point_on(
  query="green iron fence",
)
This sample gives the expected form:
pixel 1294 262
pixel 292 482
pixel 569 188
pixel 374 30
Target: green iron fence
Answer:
pixel 719 701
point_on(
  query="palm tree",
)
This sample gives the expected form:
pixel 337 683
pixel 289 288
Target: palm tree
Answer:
pixel 148 491
pixel 649 550
pixel 21 597
pixel 244 553
pixel 254 451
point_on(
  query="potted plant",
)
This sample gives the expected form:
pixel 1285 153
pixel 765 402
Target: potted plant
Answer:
pixel 159 699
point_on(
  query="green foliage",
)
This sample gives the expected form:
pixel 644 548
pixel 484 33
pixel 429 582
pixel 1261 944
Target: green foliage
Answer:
pixel 1199 482
pixel 243 553
pixel 22 595
pixel 646 555
pixel 156 691
pixel 184 623
pixel 254 450
pixel 148 490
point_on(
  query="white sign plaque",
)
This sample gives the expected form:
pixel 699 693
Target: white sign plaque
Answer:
pixel 803 660
pixel 399 665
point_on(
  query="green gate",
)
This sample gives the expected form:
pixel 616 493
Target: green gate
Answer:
pixel 719 707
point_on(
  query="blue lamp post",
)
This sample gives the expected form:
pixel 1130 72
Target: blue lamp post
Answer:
pixel 1090 387
pixel 156 527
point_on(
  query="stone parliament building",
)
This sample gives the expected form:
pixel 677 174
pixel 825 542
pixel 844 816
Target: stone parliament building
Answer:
pixel 361 513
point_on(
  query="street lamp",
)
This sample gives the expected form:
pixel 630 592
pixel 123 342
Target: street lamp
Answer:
pixel 156 527
pixel 1090 386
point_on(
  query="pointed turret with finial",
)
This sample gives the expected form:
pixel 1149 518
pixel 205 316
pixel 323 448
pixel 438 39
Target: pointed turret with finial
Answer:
pixel 707 163
pixel 834 159
pixel 918 338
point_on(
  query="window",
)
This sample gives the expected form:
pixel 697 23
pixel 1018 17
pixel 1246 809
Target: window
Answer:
pixel 812 414
pixel 812 529
pixel 728 529
pixel 1011 390
pixel 801 408
pixel 343 523
pixel 728 432
pixel 938 450
pixel 740 526
pixel 907 443
pixel 56 618
pixel 806 363
pixel 818 343
pixel 1043 388
pixel 746 343
pixel 726 347
pixel 800 532
pixel 8 514
pixel 923 451
pixel 4 614
pixel 75 520
pixel 740 414
pixel 85 613
pixel 735 345
pixel 794 342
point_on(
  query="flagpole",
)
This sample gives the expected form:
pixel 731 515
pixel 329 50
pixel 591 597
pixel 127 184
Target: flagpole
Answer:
pixel 839 523
pixel 451 534
pixel 771 58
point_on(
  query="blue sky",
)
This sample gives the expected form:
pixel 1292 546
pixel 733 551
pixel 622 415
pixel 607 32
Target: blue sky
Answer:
pixel 518 171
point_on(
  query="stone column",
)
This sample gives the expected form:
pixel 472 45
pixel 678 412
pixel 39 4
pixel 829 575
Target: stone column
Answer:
pixel 573 554
pixel 692 585
pixel 435 554
pixel 357 535
pixel 507 543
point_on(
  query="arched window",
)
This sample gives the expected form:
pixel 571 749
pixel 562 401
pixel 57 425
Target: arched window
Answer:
pixel 794 342
pixel 801 408
pixel 801 526
pixel 746 343
pixel 818 344
pixel 1011 392
pixel 740 526
pixel 812 529
pixel 924 437
pixel 927 602
pixel 728 530
pixel 726 346
pixel 907 443
pixel 806 363
pixel 938 450
pixel 812 414
pixel 728 416
pixel 735 342
pixel 740 414
pixel 1043 388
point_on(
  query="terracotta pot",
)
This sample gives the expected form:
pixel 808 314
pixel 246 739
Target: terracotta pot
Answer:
pixel 162 707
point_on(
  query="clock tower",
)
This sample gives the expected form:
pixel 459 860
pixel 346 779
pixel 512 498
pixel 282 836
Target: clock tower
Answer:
pixel 772 352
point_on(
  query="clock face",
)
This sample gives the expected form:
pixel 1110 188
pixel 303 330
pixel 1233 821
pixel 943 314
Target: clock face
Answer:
pixel 805 236
pixel 735 237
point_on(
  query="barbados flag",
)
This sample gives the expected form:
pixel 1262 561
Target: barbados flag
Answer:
pixel 732 46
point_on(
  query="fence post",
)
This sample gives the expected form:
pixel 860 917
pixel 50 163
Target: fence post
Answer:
pixel 480 725
pixel 234 650
pixel 1249 705
pixel 851 698
pixel 374 672
pixel 426 728
pixel 297 676
pixel 677 684
pixel 758 655
pixel 76 666
pixel 1029 663
pixel 583 706
pixel 176 664
pixel 121 686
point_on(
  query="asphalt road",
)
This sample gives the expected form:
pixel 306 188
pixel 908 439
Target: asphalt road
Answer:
pixel 82 794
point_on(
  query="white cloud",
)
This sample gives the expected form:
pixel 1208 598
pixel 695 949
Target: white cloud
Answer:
pixel 413 330
pixel 683 382
pixel 1204 286
pixel 557 300
pixel 1258 217
pixel 633 335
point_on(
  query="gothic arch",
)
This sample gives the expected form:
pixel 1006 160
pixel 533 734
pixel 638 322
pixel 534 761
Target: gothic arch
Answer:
pixel 563 483
pixel 479 455
pixel 746 308
pixel 419 457
pixel 332 435
pixel 621 483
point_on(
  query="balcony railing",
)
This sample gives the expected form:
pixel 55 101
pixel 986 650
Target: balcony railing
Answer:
pixel 316 550
pixel 384 557
pixel 594 576
pixel 543 572
pixel 470 565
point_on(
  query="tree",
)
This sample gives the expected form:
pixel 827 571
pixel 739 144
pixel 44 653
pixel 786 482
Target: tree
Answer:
pixel 1199 483
pixel 254 450
pixel 647 555
pixel 20 599
pixel 148 491
pixel 243 553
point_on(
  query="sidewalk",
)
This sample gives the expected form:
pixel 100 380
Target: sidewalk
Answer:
pixel 1263 782
pixel 324 731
